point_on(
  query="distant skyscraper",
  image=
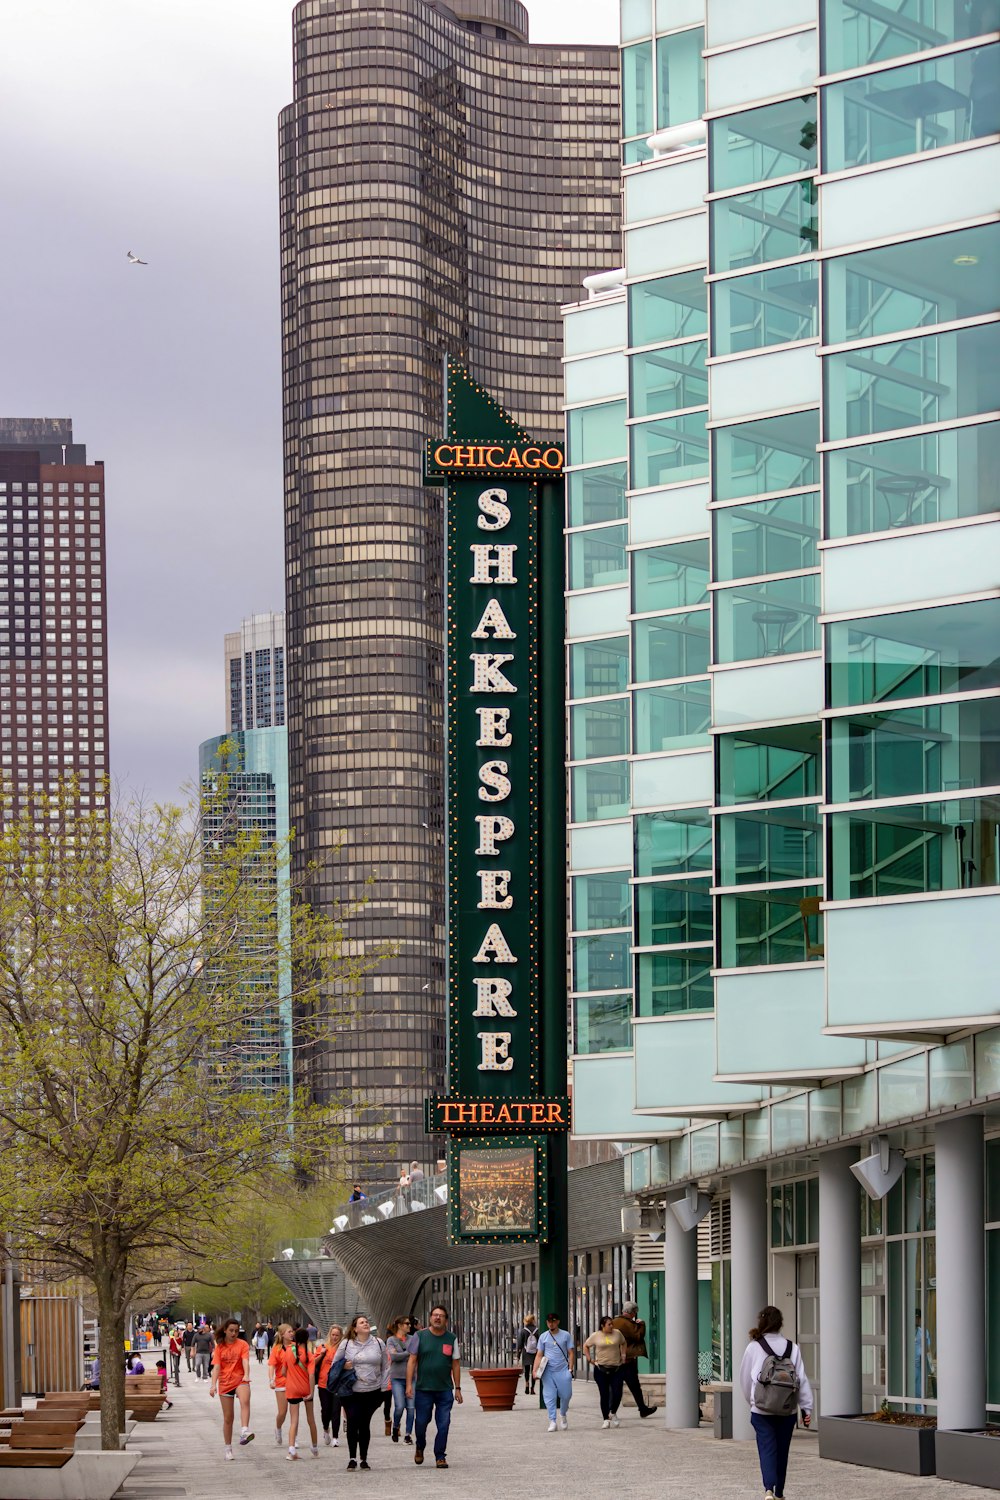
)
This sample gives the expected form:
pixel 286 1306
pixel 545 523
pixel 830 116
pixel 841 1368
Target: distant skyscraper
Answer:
pixel 53 611
pixel 444 187
pixel 255 673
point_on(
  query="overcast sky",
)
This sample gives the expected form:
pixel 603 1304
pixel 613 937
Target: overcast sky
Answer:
pixel 151 125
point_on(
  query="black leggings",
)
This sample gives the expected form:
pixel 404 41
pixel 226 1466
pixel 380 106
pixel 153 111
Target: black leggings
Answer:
pixel 329 1410
pixel 359 1408
pixel 609 1384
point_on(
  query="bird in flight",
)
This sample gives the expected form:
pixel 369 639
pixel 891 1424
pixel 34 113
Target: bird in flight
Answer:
pixel 134 260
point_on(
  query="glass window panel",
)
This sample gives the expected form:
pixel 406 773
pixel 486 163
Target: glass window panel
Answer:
pixel 598 667
pixel 951 1070
pixel 939 279
pixel 779 764
pixel 768 224
pixel 674 983
pixel 673 843
pixel 671 780
pixel 917 653
pixel 668 379
pixel 757 144
pixel 768 307
pixel 659 515
pixel 933 747
pixel 595 327
pixel 912 382
pixel 772 536
pixel 762 457
pixel 775 618
pixel 602 963
pixel 912 109
pixel 672 718
pixel 601 901
pixel 674 646
pixel 602 1023
pixel 992 1039
pixel 928 846
pixel 673 13
pixel 736 21
pixel 779 843
pixel 594 495
pixel 671 307
pixel 771 927
pixel 824 1109
pixel 911 481
pixel 595 379
pixel 666 247
pixel 586 614
pixel 637 89
pixel 666 188
pixel 669 450
pixel 769 68
pixel 599 729
pixel 677 912
pixel 598 558
pixel 856 34
pixel 596 433
pixel 636 19
pixel 600 791
pixel 671 576
pixel 680 78
pixel 633 151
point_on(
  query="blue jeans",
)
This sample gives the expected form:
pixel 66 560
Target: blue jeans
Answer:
pixel 438 1404
pixel 399 1404
pixel 557 1383
pixel 774 1438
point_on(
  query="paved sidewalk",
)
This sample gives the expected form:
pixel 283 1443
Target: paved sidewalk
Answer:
pixel 499 1456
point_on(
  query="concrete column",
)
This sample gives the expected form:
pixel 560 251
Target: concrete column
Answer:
pixel 748 1278
pixel 680 1321
pixel 839 1284
pixel 961 1273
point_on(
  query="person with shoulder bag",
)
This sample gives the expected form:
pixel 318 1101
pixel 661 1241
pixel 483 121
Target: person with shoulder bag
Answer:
pixel 774 1381
pixel 527 1348
pixel 554 1364
pixel 366 1359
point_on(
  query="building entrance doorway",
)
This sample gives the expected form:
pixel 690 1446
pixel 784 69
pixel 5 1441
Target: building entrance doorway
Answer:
pixel 872 1327
pixel 807 1314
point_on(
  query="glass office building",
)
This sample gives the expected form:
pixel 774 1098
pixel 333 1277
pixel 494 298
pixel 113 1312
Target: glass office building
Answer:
pixel 783 634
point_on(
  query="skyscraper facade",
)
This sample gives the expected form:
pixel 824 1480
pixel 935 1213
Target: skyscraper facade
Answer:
pixel 783 626
pixel 255 673
pixel 444 184
pixel 53 613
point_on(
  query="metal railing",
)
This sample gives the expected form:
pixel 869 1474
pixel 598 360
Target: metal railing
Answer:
pixel 390 1203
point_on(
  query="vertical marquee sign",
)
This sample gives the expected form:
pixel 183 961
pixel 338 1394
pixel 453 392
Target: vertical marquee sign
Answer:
pixel 505 1112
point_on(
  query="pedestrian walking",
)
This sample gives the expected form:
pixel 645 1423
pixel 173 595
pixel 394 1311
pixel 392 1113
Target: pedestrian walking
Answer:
pixel 330 1404
pixel 313 1333
pixel 774 1381
pixel 187 1339
pixel 260 1343
pixel 398 1345
pixel 434 1381
pixel 527 1348
pixel 605 1351
pixel 272 1334
pixel 203 1345
pixel 634 1330
pixel 276 1375
pixel 231 1378
pixel 175 1348
pixel 300 1367
pixel 554 1363
pixel 366 1356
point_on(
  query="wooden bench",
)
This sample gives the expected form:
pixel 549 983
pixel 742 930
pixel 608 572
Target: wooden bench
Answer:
pixel 144 1396
pixel 88 1400
pixel 39 1445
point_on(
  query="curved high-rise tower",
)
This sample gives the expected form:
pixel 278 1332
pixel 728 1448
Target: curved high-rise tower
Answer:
pixel 444 187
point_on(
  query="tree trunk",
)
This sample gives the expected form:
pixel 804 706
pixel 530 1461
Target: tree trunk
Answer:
pixel 111 1347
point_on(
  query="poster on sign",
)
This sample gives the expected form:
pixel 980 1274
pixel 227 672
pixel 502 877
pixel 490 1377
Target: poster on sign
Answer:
pixel 496 1192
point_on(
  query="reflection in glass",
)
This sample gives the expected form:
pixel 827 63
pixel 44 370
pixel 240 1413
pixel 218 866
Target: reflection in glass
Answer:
pixel 766 456
pixel 669 450
pixel 765 308
pixel 783 842
pixel 668 577
pixel 602 963
pixel 769 224
pixel 600 790
pixel 775 140
pixel 772 536
pixel 674 646
pixel 594 495
pixel 912 481
pixel 598 558
pixel 774 618
pixel 602 1023
pixel 857 34
pixel 671 307
pixel 939 279
pixel 931 747
pixel 596 433
pixel 637 89
pixel 672 718
pixel 927 846
pixel 599 729
pixel 598 667
pixel 668 379
pixel 675 982
pixel 916 108
pixel 672 913
pixel 601 901
pixel 778 764
pixel 771 927
pixel 680 78
pixel 912 382
pixel 917 653
pixel 673 843
pixel 633 151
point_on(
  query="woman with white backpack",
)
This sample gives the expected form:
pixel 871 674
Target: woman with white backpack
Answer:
pixel 774 1381
pixel 527 1348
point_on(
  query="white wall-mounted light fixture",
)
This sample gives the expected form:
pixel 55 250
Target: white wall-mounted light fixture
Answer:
pixel 288 1254
pixel 692 1208
pixel 880 1172
pixel 386 1208
pixel 340 1223
pixel 643 1218
pixel 441 1192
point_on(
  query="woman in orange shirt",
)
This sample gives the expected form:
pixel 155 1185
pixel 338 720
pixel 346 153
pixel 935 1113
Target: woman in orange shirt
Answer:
pixel 231 1378
pixel 276 1375
pixel 300 1367
pixel 329 1404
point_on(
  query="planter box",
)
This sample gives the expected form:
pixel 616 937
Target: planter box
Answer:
pixel 969 1458
pixel 878 1445
pixel 497 1388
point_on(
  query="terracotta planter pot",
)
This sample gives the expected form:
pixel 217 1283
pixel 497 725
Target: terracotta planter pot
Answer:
pixel 497 1388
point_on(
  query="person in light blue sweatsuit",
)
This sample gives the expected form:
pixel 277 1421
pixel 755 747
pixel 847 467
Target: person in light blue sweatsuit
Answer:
pixel 556 1347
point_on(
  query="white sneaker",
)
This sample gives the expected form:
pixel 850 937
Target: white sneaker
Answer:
pixel 335 1443
pixel 246 1436
pixel 314 1450
pixel 614 1420
pixel 229 1455
pixel 563 1424
pixel 606 1422
pixel 551 1428
pixel 292 1455
pixel 277 1436
pixel 327 1439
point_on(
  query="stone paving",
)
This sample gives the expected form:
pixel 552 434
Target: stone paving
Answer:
pixel 495 1456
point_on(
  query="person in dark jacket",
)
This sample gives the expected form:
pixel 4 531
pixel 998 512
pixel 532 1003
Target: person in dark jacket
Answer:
pixel 527 1348
pixel 634 1330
